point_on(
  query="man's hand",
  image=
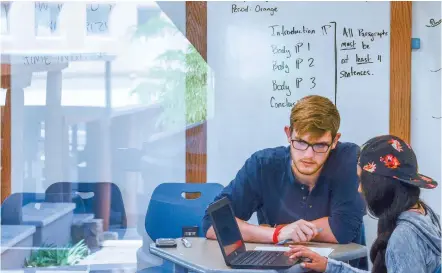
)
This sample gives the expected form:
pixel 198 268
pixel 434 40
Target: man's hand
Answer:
pixel 249 232
pixel 299 231
pixel 316 262
pixel 241 224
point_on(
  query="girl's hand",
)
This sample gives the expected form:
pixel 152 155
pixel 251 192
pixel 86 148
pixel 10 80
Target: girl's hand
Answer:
pixel 316 262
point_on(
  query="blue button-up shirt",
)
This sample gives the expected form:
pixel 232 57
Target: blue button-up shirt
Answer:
pixel 266 185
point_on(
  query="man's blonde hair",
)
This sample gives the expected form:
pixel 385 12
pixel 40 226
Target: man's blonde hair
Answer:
pixel 315 115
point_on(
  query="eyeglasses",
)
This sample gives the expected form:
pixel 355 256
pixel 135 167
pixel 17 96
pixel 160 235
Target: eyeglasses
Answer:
pixel 301 145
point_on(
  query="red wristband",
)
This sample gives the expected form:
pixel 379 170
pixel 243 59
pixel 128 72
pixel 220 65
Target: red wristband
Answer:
pixel 276 233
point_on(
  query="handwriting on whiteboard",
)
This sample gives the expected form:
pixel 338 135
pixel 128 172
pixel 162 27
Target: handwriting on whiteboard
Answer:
pixel 43 6
pixel 97 18
pixel 434 23
pixel 59 59
pixel 298 59
pixel 258 8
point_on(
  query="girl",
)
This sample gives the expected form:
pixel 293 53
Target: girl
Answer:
pixel 409 232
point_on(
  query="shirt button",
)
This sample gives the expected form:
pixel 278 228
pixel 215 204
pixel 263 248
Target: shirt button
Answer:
pixel 303 198
pixel 310 206
pixel 302 188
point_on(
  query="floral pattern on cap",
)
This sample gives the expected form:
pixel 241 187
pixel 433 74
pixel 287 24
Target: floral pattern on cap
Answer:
pixel 390 161
pixel 370 167
pixel 396 144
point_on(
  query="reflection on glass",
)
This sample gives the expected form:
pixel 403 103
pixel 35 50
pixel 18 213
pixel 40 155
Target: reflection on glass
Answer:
pixel 5 17
pixel 36 231
pixel 46 18
pixel 174 70
pixel 113 108
pixel 97 16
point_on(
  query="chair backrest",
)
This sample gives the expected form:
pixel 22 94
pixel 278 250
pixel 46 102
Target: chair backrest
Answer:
pixel 363 237
pixel 363 262
pixel 91 205
pixel 11 208
pixel 169 211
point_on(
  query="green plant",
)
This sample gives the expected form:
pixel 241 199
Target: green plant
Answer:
pixel 196 87
pixel 50 255
pixel 174 72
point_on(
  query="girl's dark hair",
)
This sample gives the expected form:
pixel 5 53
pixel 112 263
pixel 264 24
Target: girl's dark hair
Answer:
pixel 386 199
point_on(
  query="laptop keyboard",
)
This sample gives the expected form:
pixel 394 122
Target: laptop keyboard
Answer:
pixel 258 257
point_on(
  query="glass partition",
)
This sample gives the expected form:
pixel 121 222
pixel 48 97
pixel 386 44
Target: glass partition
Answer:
pixel 103 98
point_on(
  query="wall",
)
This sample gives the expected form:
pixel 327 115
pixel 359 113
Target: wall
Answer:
pixel 426 96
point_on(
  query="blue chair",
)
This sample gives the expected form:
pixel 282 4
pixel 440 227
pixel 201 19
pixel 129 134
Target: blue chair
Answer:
pixel 11 208
pixel 117 217
pixel 362 263
pixel 168 200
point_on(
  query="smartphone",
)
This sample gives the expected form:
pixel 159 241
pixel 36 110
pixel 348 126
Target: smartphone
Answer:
pixel 165 242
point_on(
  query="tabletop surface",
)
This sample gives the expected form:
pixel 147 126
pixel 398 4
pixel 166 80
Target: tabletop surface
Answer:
pixel 13 234
pixel 42 214
pixel 205 255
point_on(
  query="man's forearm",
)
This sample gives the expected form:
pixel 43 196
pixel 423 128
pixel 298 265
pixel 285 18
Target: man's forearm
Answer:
pixel 249 232
pixel 326 235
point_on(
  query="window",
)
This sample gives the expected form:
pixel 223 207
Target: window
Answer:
pixel 97 16
pixel 47 18
pixel 5 18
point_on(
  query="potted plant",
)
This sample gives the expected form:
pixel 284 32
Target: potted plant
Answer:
pixel 51 256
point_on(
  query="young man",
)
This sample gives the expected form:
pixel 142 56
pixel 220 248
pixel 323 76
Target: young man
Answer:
pixel 306 191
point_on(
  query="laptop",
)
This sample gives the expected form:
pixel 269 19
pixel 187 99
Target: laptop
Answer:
pixel 232 244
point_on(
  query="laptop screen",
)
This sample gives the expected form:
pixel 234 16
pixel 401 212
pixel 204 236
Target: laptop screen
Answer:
pixel 229 235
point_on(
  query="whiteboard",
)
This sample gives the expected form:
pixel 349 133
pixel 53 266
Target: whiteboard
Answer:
pixel 268 55
pixel 426 95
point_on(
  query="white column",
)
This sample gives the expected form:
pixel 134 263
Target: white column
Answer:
pixel 53 129
pixel 19 80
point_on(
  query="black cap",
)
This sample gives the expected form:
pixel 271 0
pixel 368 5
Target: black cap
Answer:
pixel 390 156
